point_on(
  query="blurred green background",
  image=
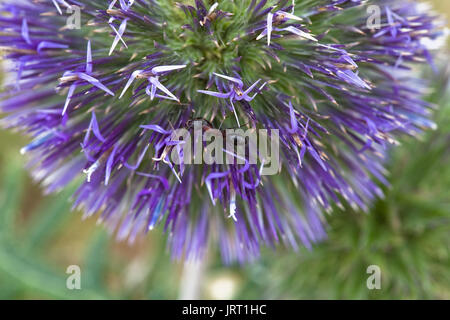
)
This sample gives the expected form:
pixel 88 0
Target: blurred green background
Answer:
pixel 407 235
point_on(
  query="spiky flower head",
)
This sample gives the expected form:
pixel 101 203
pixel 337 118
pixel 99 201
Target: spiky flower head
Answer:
pixel 335 78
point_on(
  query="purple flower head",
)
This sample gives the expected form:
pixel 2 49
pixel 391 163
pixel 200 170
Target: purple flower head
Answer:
pixel 105 102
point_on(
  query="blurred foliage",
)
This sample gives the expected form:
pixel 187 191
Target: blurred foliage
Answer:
pixel 406 234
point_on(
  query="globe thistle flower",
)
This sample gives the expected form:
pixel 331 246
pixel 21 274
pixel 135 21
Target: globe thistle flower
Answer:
pixel 101 103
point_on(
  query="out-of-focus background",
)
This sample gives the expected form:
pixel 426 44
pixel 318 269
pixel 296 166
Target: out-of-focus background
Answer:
pixel 407 235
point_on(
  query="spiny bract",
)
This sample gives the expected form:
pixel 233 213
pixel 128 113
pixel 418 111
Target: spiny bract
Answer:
pixel 104 98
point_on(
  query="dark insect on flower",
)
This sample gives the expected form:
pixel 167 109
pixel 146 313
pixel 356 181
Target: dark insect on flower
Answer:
pixel 105 100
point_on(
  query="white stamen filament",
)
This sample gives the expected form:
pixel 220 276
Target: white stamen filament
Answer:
pixel 90 171
pixel 213 7
pixel 233 204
